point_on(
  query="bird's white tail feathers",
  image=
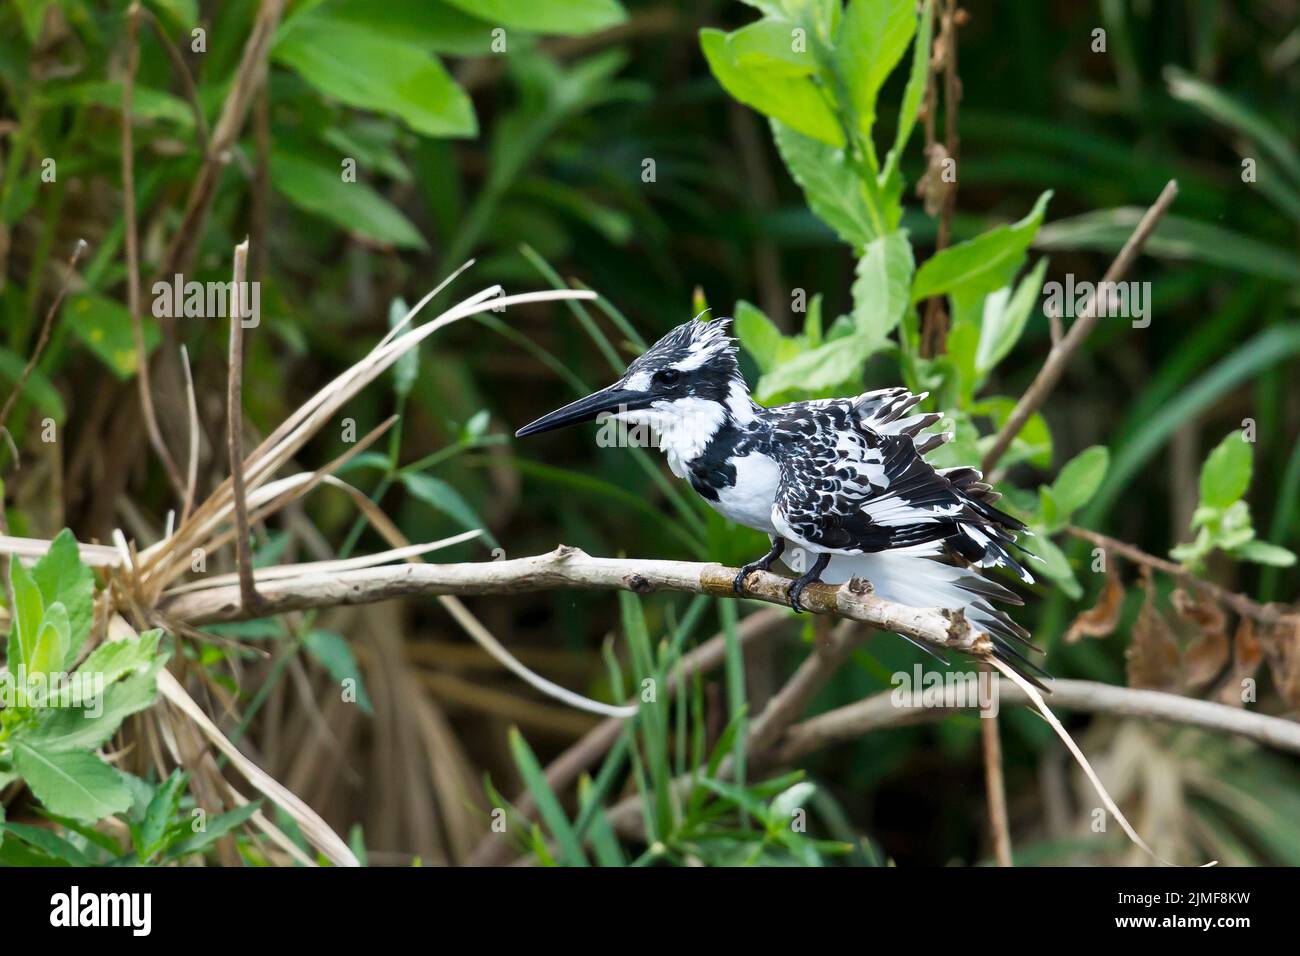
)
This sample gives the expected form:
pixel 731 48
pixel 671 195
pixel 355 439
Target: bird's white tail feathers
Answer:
pixel 913 577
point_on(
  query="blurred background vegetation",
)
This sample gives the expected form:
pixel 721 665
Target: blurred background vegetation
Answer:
pixel 584 142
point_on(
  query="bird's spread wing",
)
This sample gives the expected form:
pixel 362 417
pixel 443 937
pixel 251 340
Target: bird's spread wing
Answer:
pixel 854 481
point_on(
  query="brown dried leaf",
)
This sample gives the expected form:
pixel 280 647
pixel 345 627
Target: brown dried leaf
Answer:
pixel 1100 619
pixel 1247 655
pixel 1207 655
pixel 1280 643
pixel 1153 653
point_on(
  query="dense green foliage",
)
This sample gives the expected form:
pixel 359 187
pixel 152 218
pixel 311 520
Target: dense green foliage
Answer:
pixel 767 161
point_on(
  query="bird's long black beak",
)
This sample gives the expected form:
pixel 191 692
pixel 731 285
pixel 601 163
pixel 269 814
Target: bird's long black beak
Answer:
pixel 610 399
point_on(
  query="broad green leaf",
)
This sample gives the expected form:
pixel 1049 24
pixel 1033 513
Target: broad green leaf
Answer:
pixel 1032 445
pixel 880 291
pixel 797 102
pixel 51 642
pixel 1054 565
pixel 147 105
pixel 436 27
pixel 104 325
pixel 334 654
pixel 372 71
pixel 442 496
pixel 1261 552
pixel 185 13
pixel 1005 319
pixel 353 206
pixel 62 577
pixel 761 339
pixel 568 17
pixel 113 660
pixel 69 729
pixel 982 264
pixel 821 368
pixel 76 784
pixel 1079 480
pixel 872 38
pixel 28 612
pixel 830 185
pixel 772 45
pixel 49 842
pixel 1226 473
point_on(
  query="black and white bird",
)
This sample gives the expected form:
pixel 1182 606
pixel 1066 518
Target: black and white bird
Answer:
pixel 842 484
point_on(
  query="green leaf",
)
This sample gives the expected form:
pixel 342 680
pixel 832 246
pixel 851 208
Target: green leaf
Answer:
pixel 434 26
pixel 51 642
pixel 104 326
pixel 982 264
pixel 761 339
pixel 1005 319
pixel 159 813
pixel 114 660
pixel 880 291
pixel 568 17
pixel 872 38
pixel 49 842
pixel 795 101
pixel 216 828
pixel 184 13
pixel 1054 564
pixel 78 729
pixel 443 497
pixel 77 784
pixel 830 185
pixel 769 44
pixel 334 654
pixel 913 94
pixel 1261 552
pixel 353 206
pixel 821 368
pixel 1225 475
pixel 548 806
pixel 1079 480
pixel 28 612
pixel 62 577
pixel 372 71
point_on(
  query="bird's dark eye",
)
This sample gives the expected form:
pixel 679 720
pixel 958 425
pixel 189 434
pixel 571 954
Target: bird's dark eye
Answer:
pixel 667 376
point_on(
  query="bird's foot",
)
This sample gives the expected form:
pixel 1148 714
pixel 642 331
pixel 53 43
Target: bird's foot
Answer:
pixel 762 564
pixel 812 576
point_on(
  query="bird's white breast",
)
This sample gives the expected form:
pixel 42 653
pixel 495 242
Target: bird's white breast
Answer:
pixel 749 501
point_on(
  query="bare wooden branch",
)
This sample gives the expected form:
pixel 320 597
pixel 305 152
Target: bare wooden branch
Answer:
pixel 880 711
pixel 1059 357
pixel 572 568
pixel 1243 605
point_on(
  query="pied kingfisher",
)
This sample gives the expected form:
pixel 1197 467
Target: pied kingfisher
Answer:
pixel 844 479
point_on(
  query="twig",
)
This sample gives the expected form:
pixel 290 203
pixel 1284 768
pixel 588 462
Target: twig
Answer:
pixel 880 711
pixel 1246 607
pixel 133 256
pixel 1059 356
pixel 248 78
pixel 572 568
pixel 181 69
pixel 44 337
pixel 995 786
pixel 235 431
